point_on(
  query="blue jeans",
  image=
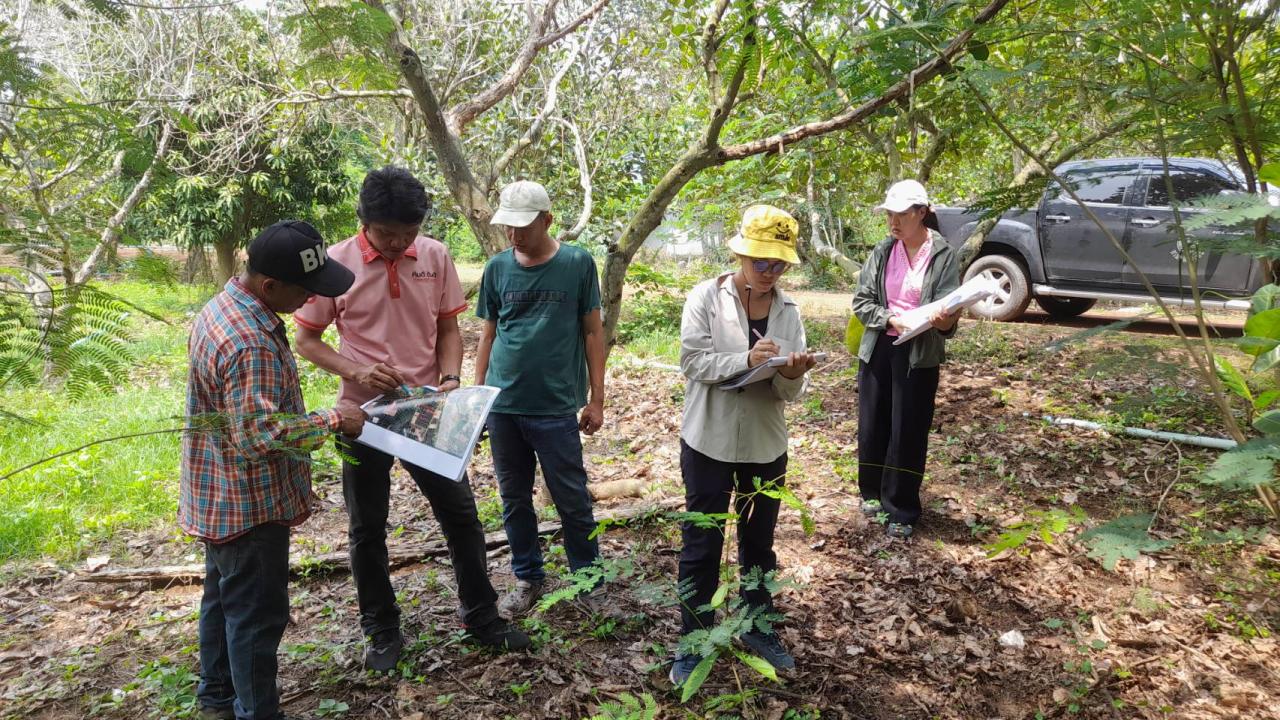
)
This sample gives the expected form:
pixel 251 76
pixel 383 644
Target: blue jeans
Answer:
pixel 516 442
pixel 243 614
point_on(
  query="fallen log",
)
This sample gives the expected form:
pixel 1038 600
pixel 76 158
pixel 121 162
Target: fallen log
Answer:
pixel 312 565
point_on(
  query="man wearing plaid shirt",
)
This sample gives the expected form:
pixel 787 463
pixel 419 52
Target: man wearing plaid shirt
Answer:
pixel 245 473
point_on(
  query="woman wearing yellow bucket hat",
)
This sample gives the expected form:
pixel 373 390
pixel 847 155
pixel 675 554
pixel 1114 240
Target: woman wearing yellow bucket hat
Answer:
pixel 730 440
pixel 897 383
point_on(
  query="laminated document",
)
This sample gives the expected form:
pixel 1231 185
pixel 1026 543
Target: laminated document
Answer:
pixel 433 430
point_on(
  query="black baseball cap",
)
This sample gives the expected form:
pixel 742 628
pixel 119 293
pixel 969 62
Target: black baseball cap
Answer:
pixel 293 251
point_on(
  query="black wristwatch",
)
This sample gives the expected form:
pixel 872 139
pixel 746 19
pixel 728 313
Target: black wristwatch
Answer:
pixel 446 378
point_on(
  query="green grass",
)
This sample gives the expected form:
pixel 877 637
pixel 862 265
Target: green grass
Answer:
pixel 70 506
pixel 659 346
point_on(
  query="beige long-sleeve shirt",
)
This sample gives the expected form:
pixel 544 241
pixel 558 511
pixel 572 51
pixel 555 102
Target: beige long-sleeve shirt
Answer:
pixel 745 426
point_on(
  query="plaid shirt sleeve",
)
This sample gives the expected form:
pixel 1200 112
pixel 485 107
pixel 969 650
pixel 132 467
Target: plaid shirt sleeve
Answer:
pixel 255 384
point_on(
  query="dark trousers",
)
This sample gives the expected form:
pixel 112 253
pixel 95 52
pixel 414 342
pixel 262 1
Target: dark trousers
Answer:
pixel 517 442
pixel 243 614
pixel 708 486
pixel 366 487
pixel 895 413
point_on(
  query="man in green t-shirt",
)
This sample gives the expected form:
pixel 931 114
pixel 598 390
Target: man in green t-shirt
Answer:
pixel 543 338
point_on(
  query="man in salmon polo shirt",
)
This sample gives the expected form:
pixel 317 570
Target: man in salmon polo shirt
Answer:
pixel 398 325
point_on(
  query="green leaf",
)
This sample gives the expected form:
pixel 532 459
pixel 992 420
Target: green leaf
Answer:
pixel 1265 324
pixel 1266 298
pixel 1268 424
pixel 759 664
pixel 1267 360
pixel 1245 467
pixel 697 677
pixel 853 334
pixel 1255 345
pixel 1232 378
pixel 1265 400
pixel 1125 537
pixel 1270 173
pixel 721 593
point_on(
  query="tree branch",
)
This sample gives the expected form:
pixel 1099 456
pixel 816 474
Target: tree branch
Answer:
pixel 711 45
pixel 452 161
pixel 461 115
pixel 720 115
pixel 584 178
pixel 111 233
pixel 557 36
pixel 922 73
pixel 539 122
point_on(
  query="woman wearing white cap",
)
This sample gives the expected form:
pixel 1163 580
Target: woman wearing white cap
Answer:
pixel 897 383
pixel 731 440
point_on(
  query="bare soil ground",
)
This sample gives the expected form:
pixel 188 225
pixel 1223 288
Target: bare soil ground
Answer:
pixel 880 628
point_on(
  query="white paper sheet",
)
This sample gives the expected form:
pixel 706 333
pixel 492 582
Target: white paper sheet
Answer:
pixel 978 288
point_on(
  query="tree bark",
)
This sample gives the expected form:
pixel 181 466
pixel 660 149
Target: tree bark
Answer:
pixel 111 233
pixel 225 250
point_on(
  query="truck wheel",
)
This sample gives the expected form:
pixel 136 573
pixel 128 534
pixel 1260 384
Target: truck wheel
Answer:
pixel 1061 307
pixel 1014 295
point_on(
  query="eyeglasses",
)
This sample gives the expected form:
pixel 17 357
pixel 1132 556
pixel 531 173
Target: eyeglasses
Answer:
pixel 776 267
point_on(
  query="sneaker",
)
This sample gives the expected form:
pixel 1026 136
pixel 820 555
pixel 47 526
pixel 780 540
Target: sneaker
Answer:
pixel 520 598
pixel 871 508
pixel 769 647
pixel 601 602
pixel 682 668
pixel 898 530
pixel 384 651
pixel 212 713
pixel 500 635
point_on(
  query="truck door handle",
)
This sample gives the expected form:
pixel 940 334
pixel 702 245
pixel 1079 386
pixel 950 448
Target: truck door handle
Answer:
pixel 1057 218
pixel 1144 222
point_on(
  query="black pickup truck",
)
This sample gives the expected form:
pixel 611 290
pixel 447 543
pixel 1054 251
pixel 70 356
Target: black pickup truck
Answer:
pixel 1057 256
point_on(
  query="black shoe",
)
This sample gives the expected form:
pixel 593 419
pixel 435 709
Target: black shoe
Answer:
pixel 212 713
pixel 384 651
pixel 500 635
pixel 682 668
pixel 770 648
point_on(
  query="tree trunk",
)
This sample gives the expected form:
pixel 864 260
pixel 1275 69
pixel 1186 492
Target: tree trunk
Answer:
pixel 820 244
pixel 225 249
pixel 647 218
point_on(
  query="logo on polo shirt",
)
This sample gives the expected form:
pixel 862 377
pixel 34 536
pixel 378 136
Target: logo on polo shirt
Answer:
pixel 424 274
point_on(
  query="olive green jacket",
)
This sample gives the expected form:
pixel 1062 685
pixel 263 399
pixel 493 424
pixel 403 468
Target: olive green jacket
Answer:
pixel 871 306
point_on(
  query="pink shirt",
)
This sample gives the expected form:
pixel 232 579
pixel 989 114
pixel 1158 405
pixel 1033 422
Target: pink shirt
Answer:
pixel 389 314
pixel 904 278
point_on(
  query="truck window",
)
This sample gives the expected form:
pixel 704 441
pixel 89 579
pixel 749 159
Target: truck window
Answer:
pixel 1187 185
pixel 1102 184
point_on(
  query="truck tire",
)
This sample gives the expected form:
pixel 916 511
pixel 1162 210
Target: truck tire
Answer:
pixel 1015 292
pixel 1062 307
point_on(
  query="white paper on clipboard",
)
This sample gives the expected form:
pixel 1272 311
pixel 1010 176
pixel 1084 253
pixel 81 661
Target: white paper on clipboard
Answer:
pixel 763 371
pixel 978 288
pixel 433 430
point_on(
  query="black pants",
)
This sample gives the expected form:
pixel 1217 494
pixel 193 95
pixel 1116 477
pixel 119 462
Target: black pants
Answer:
pixel 243 615
pixel 708 485
pixel 367 489
pixel 895 412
